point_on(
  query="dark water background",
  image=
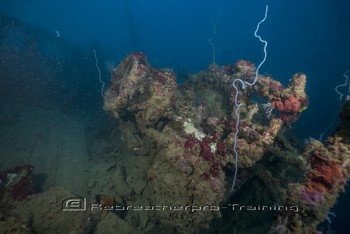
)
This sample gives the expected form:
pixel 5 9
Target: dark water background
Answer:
pixel 304 36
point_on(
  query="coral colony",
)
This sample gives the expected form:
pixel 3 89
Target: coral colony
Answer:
pixel 243 84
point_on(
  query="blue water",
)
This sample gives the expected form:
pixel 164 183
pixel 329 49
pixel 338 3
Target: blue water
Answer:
pixel 310 37
pixel 303 36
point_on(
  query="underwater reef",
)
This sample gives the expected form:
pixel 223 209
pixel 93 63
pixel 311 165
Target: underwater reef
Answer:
pixel 182 139
pixel 187 131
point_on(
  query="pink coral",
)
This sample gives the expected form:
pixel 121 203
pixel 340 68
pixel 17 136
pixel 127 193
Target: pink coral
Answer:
pixel 292 104
pixel 311 197
pixel 221 148
pixel 326 175
pixel 206 153
pixel 289 108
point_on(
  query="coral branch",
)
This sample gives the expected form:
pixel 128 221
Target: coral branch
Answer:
pixel 268 109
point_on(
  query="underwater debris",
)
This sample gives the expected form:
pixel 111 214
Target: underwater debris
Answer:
pixel 187 135
pixel 16 183
pixel 189 140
